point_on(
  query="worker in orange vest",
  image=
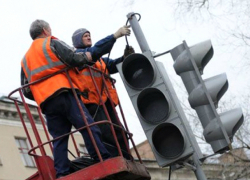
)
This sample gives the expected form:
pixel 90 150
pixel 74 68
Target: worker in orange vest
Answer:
pixel 82 42
pixel 46 56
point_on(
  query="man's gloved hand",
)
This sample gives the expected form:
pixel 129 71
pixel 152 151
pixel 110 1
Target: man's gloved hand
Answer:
pixel 128 50
pixel 122 31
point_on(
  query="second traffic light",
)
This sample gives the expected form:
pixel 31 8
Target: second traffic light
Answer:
pixel 205 94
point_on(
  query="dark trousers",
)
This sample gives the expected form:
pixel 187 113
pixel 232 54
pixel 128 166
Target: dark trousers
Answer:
pixel 61 113
pixel 108 139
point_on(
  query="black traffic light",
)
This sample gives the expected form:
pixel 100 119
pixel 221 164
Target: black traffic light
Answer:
pixel 204 95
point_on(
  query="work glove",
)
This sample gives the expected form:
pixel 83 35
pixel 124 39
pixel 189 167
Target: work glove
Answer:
pixel 122 31
pixel 128 50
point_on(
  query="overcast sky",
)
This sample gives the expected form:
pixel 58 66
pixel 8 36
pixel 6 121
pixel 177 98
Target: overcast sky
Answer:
pixel 102 18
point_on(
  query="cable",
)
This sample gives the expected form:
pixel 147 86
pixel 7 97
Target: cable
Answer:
pixel 102 87
pixel 169 174
pixel 71 153
pixel 205 157
pixel 114 147
pixel 127 24
pixel 157 55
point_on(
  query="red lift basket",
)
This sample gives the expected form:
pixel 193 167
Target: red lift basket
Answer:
pixel 117 168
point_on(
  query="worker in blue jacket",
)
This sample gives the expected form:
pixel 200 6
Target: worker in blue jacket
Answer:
pixel 82 42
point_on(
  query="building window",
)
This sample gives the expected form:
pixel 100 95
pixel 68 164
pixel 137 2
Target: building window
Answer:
pixel 23 150
pixel 83 150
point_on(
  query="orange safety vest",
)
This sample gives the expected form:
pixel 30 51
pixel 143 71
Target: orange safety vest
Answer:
pixel 90 88
pixel 40 61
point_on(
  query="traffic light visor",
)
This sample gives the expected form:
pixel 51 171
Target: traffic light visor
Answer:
pixel 153 106
pixel 168 140
pixel 138 71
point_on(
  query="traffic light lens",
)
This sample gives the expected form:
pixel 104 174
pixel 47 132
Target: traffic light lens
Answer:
pixel 168 140
pixel 138 71
pixel 153 105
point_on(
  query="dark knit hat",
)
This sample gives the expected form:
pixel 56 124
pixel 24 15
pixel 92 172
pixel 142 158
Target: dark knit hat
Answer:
pixel 77 38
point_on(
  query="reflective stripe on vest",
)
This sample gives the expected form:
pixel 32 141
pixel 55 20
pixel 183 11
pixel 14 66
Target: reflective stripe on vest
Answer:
pixel 50 64
pixel 95 73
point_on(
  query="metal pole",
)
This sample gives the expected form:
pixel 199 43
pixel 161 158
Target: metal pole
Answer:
pixel 138 32
pixel 199 173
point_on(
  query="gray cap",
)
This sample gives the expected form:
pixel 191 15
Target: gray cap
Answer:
pixel 77 38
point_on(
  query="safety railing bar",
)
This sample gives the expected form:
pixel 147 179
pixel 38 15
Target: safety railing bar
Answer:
pixel 105 110
pixel 130 134
pixel 124 121
pixel 131 139
pixel 122 114
pixel 35 131
pixel 44 127
pixel 32 123
pixel 79 129
pixel 84 118
pixel 24 125
pixel 115 112
pixel 105 75
pixel 74 143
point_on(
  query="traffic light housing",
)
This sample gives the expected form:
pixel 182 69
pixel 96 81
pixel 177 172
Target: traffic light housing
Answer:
pixel 204 95
pixel 157 108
